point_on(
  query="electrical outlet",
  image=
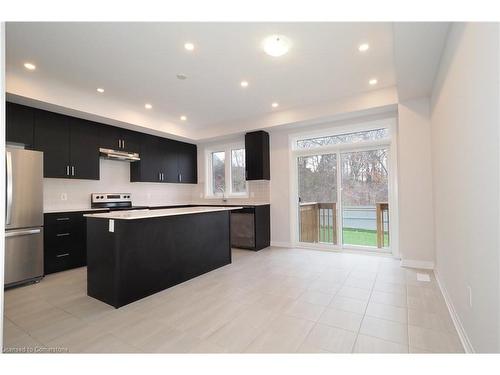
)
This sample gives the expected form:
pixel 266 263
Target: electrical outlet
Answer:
pixel 469 289
pixel 64 197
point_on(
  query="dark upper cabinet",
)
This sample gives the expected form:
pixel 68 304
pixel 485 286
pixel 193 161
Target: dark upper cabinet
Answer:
pixel 187 158
pixel 52 137
pixel 69 146
pixel 170 157
pixel 19 121
pixel 84 149
pixel 119 139
pixel 257 163
pixel 149 168
pixel 165 160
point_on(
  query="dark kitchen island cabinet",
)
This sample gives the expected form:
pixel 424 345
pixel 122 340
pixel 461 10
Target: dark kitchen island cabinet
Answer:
pixel 133 254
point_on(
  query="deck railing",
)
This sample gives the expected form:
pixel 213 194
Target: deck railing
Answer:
pixel 318 222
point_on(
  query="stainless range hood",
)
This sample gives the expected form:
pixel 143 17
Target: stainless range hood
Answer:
pixel 119 155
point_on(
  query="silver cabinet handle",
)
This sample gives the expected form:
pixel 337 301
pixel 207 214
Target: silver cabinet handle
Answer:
pixel 8 211
pixel 119 143
pixel 62 218
pixel 72 170
pixel 67 170
pixel 123 143
pixel 159 176
pixel 162 176
pixel 62 234
pixel 180 177
pixel 22 232
pixel 62 255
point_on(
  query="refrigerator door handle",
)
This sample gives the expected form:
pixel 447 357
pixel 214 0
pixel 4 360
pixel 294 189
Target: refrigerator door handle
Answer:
pixel 23 232
pixel 8 211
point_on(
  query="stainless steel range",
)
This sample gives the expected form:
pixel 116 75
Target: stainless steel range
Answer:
pixel 114 201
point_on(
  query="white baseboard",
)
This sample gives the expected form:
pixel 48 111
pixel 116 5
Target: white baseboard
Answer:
pixel 426 265
pixel 462 334
pixel 280 244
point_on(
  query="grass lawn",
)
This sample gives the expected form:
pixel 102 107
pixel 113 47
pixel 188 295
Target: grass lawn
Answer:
pixel 362 237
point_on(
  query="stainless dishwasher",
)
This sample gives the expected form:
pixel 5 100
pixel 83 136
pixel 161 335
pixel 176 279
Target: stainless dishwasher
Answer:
pixel 243 228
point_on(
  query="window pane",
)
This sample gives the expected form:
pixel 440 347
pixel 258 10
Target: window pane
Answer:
pixel 218 172
pixel 369 135
pixel 238 171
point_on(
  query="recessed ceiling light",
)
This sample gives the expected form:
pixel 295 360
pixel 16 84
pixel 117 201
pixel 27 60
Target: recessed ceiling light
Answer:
pixel 181 76
pixel 189 46
pixel 275 105
pixel 148 106
pixel 244 83
pixel 30 66
pixel 276 45
pixel 100 90
pixel 364 47
pixel 373 81
pixel 183 118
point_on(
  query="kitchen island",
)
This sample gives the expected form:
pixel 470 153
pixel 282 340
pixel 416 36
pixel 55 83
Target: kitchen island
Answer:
pixel 133 254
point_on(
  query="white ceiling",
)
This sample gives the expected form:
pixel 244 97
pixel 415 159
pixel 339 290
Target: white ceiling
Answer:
pixel 137 63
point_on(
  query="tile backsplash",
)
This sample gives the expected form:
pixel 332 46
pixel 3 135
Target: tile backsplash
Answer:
pixel 61 194
pixel 115 178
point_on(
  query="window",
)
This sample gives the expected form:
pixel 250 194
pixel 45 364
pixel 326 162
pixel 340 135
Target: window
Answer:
pixel 226 171
pixel 362 136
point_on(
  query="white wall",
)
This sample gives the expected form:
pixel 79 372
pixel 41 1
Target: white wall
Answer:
pixel 465 161
pixel 416 215
pixel 115 178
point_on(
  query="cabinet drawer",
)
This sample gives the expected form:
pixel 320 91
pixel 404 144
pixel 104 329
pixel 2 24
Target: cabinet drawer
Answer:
pixel 62 260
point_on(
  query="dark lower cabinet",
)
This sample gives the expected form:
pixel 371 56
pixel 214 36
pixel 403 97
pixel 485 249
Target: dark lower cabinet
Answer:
pixel 19 123
pixel 64 241
pixel 251 227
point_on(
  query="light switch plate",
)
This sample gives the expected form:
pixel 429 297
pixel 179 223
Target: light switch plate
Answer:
pixel 423 277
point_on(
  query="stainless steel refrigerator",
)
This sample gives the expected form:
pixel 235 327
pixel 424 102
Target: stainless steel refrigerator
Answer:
pixel 23 216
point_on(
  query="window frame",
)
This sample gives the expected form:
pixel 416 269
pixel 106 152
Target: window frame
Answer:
pixel 227 148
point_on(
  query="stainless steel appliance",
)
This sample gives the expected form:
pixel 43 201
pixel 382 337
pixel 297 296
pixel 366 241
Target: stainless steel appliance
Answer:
pixel 119 155
pixel 114 201
pixel 23 216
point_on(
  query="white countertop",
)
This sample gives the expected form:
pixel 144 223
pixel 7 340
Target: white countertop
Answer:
pixel 146 214
pixel 55 211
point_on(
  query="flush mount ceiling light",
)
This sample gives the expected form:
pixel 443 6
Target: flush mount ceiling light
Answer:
pixel 189 46
pixel 275 105
pixel 373 81
pixel 363 47
pixel 148 106
pixel 276 45
pixel 244 83
pixel 183 118
pixel 29 66
pixel 100 90
pixel 181 76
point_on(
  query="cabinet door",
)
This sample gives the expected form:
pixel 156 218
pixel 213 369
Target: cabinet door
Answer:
pixel 169 155
pixel 149 167
pixel 131 141
pixel 51 136
pixel 19 122
pixel 187 163
pixel 84 149
pixel 257 156
pixel 109 137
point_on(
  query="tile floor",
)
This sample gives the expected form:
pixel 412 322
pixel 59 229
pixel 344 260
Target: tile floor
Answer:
pixel 275 300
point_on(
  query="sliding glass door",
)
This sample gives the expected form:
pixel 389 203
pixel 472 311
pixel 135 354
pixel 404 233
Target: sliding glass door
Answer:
pixel 317 188
pixel 365 197
pixel 343 190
